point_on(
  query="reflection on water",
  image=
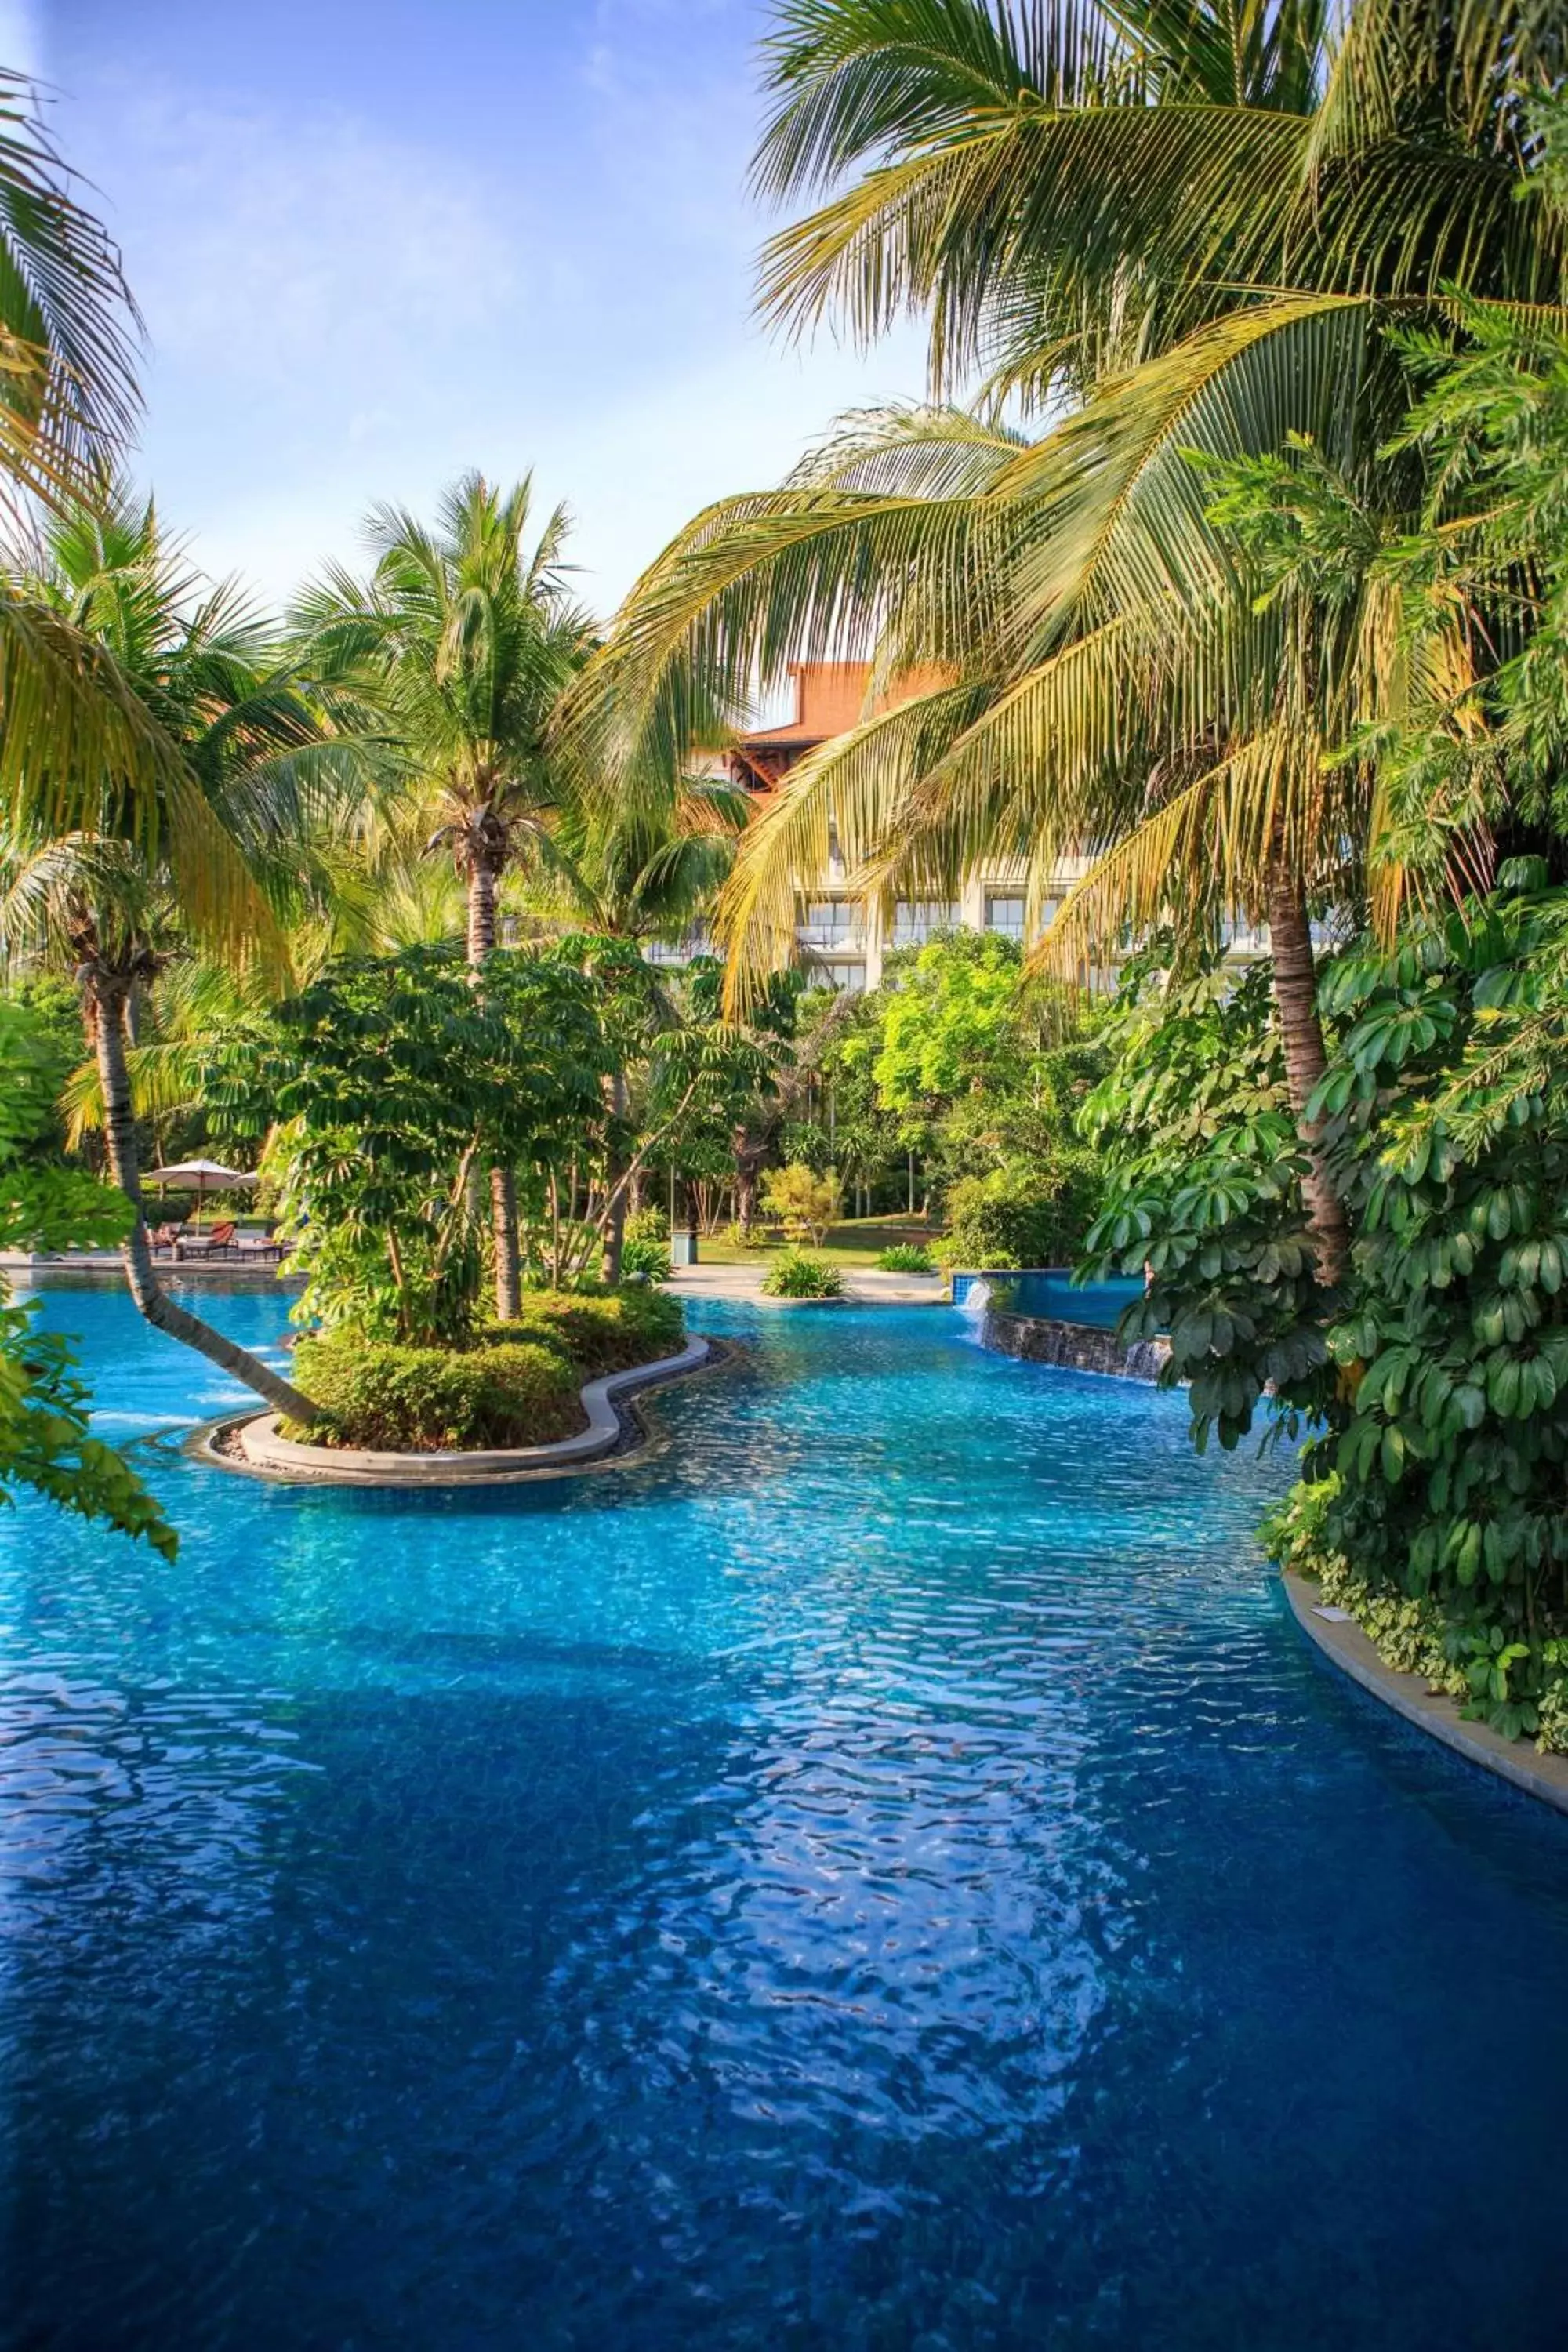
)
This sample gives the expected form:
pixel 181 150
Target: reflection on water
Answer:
pixel 881 1873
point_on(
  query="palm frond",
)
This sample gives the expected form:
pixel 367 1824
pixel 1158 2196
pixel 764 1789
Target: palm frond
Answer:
pixel 67 323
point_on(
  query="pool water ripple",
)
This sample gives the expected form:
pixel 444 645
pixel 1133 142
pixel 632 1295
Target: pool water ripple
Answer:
pixel 880 1873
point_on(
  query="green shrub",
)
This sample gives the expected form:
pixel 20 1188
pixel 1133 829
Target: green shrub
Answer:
pixel 804 1203
pixel 599 1332
pixel 519 1386
pixel 1016 1217
pixel 796 1274
pixel 907 1257
pixel 421 1400
pixel 648 1225
pixel 647 1256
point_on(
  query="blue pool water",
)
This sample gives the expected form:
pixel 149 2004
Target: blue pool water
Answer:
pixel 882 1874
pixel 1050 1291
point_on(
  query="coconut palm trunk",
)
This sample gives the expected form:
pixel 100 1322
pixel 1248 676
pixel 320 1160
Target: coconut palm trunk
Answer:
pixel 1301 1036
pixel 108 1019
pixel 483 875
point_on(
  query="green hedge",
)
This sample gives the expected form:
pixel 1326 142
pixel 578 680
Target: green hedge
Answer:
pixel 421 1400
pixel 518 1387
pixel 599 1332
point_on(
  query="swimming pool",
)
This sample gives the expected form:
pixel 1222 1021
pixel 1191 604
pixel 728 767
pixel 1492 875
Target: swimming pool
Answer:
pixel 1051 1293
pixel 881 1873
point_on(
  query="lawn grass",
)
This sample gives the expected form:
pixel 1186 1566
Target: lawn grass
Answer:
pixel 859 1241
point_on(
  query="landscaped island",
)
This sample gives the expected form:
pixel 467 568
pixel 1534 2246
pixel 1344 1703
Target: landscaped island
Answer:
pixel 515 1384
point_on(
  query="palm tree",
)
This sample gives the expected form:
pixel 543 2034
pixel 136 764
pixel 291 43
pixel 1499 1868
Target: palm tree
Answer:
pixel 464 640
pixel 1102 661
pixel 641 870
pixel 76 743
pixel 1064 189
pixel 103 901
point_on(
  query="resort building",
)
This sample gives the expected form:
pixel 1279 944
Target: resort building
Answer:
pixel 844 938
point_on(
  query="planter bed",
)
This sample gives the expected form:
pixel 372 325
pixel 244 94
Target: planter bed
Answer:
pixel 253 1445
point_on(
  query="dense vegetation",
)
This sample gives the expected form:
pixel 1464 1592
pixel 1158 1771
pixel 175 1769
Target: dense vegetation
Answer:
pixel 1245 570
pixel 513 1383
pixel 1271 613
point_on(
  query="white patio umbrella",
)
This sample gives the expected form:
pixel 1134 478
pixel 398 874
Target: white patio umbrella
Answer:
pixel 200 1176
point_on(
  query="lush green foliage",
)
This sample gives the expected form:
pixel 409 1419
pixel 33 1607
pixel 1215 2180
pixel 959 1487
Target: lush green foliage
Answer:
pixel 601 1330
pixel 804 1203
pixel 958 1064
pixel 907 1257
pixel 648 1260
pixel 798 1274
pixel 1448 1104
pixel 1018 1216
pixel 45 1441
pixel 645 1251
pixel 516 1384
pixel 1436 1384
pixel 394 1082
pixel 950 1023
pixel 1202 1198
pixel 405 1399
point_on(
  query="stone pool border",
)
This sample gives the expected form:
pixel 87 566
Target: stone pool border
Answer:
pixel 1071 1346
pixel 1346 1646
pixel 263 1453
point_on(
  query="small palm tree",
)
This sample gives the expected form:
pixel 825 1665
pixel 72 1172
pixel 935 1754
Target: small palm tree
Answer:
pixel 463 641
pixel 107 903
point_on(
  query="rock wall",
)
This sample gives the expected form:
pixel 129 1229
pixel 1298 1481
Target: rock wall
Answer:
pixel 1074 1347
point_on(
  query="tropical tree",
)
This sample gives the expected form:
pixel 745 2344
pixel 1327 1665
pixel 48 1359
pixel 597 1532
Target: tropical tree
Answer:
pixel 108 903
pixel 1064 191
pixel 1112 649
pixel 76 744
pixel 641 870
pixel 462 640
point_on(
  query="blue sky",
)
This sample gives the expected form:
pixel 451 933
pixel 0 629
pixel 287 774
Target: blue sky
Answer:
pixel 378 241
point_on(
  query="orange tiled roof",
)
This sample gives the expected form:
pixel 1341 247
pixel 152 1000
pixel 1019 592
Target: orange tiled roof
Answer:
pixel 830 698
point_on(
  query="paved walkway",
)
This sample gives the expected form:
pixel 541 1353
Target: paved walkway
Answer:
pixel 864 1284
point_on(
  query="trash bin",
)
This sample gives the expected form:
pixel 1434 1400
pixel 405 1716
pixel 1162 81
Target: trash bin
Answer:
pixel 683 1249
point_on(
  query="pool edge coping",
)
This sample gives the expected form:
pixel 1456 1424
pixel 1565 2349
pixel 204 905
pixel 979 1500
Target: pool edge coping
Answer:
pixel 1346 1646
pixel 281 1461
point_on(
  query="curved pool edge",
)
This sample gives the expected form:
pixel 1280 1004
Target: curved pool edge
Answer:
pixel 609 1403
pixel 1345 1645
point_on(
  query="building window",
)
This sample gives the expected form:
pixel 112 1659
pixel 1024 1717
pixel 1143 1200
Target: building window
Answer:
pixel 915 923
pixel 848 979
pixel 830 923
pixel 1004 912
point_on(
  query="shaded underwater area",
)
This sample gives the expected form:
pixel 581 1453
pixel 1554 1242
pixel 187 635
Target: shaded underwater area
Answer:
pixel 882 1871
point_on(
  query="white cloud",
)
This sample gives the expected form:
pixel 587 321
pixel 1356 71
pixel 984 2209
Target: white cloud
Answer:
pixel 283 248
pixel 340 314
